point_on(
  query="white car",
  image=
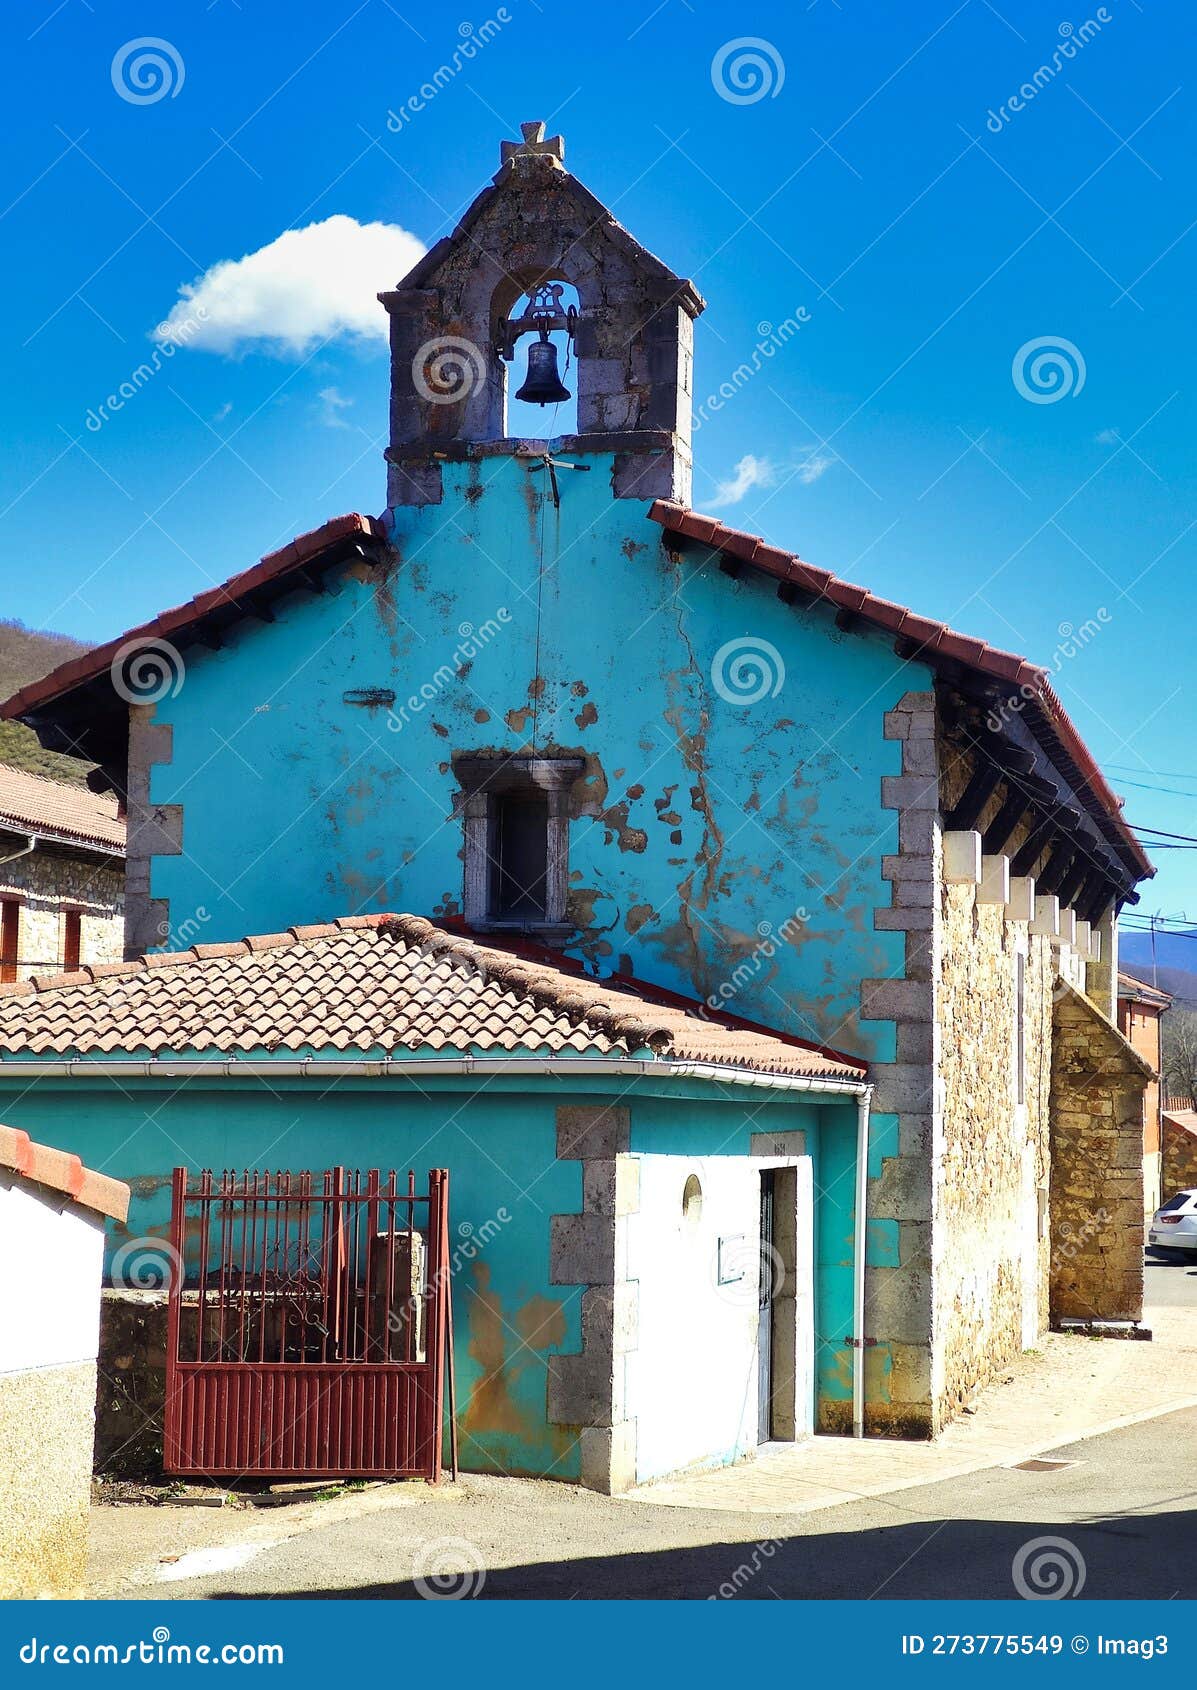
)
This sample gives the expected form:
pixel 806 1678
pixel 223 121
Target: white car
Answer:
pixel 1174 1227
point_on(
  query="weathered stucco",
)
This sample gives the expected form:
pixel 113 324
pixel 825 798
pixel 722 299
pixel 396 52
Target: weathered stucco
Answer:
pixel 717 847
pixel 46 1422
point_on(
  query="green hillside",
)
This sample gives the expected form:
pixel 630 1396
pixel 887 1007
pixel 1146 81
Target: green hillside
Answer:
pixel 25 655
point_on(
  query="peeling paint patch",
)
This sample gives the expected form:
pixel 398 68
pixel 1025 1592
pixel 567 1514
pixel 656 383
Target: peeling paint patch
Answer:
pixel 638 915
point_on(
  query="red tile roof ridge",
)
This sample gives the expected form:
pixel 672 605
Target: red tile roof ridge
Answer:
pixel 943 641
pixel 59 1170
pixel 303 549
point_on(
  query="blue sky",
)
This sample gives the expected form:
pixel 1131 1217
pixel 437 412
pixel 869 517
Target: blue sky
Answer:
pixel 872 179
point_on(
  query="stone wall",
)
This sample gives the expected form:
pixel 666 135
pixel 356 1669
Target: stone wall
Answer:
pixel 991 1249
pixel 45 1479
pixel 50 881
pixel 131 1393
pixel 1179 1158
pixel 1139 1024
pixel 1097 1090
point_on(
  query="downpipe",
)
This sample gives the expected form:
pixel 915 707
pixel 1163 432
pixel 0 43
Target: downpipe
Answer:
pixel 859 1250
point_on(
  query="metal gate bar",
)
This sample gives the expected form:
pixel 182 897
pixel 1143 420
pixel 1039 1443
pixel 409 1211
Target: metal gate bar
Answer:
pixel 307 1323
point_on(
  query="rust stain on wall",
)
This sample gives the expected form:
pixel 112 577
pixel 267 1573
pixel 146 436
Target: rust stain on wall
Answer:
pixel 541 1322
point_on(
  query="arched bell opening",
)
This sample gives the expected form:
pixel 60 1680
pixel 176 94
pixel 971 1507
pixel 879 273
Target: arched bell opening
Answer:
pixel 537 340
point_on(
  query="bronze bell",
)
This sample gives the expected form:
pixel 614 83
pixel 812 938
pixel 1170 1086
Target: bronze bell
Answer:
pixel 542 385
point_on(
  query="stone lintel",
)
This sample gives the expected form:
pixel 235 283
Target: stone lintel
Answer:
pixel 962 858
pixel 994 886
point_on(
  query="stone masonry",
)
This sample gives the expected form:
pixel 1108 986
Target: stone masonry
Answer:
pixel 48 882
pixel 154 830
pixel 588 1390
pixel 898 1366
pixel 1098 1083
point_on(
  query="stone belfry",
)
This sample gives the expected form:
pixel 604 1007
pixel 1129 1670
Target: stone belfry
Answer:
pixel 460 321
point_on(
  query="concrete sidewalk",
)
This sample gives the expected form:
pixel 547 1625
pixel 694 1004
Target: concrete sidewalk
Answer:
pixel 1068 1389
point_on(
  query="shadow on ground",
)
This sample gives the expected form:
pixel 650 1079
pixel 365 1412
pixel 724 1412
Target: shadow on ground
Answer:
pixel 1104 1558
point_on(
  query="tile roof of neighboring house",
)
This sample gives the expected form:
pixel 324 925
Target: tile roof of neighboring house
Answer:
pixel 934 641
pixel 230 597
pixel 1141 992
pixel 30 803
pixel 61 1171
pixel 393 983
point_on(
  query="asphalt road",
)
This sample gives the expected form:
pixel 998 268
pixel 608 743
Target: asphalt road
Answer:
pixel 1170 1281
pixel 1125 1508
pixel 1127 1512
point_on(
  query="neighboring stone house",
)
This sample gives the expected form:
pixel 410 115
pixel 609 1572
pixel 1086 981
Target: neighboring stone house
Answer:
pixel 1179 1153
pixel 1141 1009
pixel 62 852
pixel 564 715
pixel 52 1214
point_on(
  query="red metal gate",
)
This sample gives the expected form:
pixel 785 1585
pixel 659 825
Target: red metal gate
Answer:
pixel 308 1323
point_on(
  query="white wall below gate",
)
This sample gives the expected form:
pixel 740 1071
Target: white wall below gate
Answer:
pixel 692 1379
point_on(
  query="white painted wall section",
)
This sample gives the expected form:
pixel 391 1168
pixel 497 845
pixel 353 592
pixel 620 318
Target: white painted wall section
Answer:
pixel 51 1263
pixel 692 1380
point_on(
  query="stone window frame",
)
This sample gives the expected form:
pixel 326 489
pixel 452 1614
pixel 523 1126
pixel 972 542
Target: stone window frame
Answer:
pixel 482 779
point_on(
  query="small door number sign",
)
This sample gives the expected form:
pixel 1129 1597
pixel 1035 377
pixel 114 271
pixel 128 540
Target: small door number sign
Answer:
pixel 732 1259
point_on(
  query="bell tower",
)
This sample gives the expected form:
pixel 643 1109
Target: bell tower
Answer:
pixel 463 321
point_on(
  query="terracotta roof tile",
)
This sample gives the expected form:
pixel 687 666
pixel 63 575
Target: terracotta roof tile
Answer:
pixel 941 641
pixel 30 803
pixel 60 1171
pixel 368 983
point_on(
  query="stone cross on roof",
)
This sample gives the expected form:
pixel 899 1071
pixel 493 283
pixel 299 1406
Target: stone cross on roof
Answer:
pixel 533 145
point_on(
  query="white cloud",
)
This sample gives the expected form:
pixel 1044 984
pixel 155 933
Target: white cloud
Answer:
pixel 813 466
pixel 1109 437
pixel 307 286
pixel 332 403
pixel 750 472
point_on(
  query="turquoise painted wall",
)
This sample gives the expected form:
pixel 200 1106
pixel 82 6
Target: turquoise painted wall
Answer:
pixel 499 1142
pixel 500 1148
pixel 709 824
